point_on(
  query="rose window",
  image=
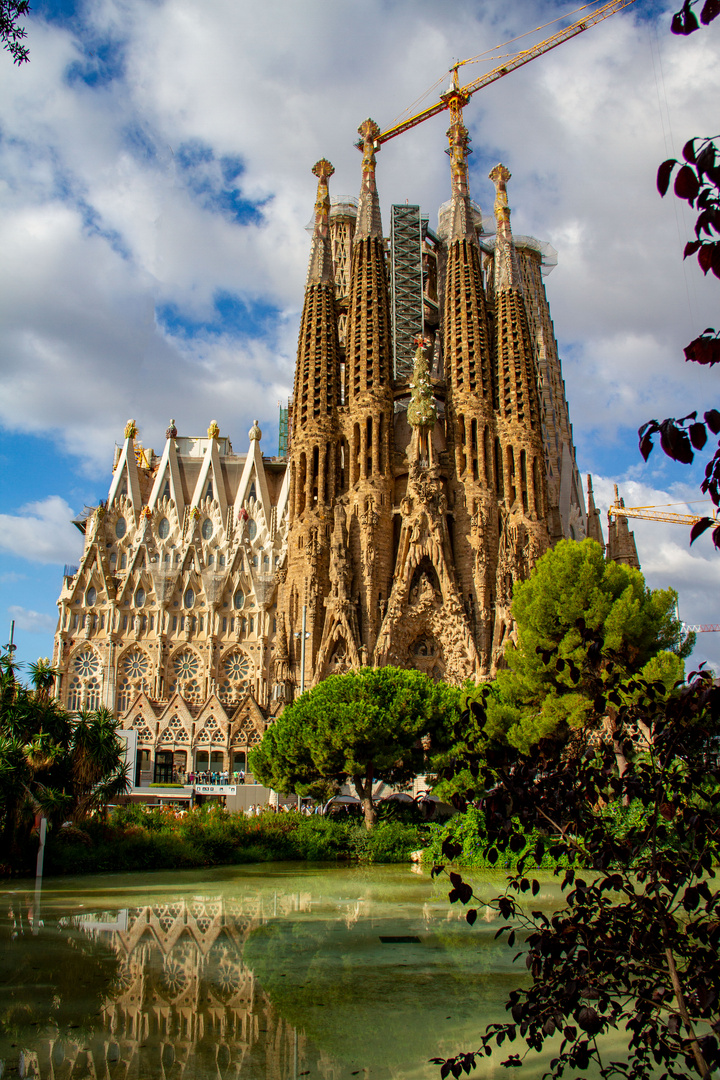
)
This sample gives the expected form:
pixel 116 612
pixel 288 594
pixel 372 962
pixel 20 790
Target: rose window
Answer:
pixel 86 663
pixel 237 666
pixel 136 664
pixel 237 672
pixel 186 665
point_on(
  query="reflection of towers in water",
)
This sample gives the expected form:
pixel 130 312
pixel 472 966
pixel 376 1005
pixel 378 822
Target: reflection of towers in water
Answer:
pixel 186 1005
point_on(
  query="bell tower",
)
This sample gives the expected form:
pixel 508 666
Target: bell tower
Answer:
pixel 470 413
pixel 315 459
pixel 368 411
pixel 519 457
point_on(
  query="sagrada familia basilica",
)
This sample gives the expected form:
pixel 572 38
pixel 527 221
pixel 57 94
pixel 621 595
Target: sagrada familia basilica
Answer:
pixel 429 463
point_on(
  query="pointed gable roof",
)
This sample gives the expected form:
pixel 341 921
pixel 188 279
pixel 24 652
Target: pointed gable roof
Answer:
pixel 253 470
pixel 169 472
pixel 127 469
pixel 211 470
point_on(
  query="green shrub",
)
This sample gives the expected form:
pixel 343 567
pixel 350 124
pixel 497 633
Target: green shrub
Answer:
pixel 469 831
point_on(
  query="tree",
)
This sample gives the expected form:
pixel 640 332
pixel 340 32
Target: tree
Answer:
pixel 636 950
pixel 51 763
pixel 369 725
pixel 547 688
pixel 11 32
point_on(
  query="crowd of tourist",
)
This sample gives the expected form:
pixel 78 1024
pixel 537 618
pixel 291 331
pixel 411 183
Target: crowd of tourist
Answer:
pixel 223 777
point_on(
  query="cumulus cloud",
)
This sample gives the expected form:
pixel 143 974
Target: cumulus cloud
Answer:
pixel 34 622
pixel 155 183
pixel 42 531
pixel 666 558
pixel 157 158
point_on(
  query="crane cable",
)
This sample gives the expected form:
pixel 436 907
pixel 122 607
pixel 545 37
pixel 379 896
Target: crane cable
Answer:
pixel 487 55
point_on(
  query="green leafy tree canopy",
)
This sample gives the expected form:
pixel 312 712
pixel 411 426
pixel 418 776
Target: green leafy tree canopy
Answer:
pixel 573 585
pixel 368 725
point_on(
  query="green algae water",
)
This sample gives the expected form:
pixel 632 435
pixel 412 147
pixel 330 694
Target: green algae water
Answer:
pixel 262 972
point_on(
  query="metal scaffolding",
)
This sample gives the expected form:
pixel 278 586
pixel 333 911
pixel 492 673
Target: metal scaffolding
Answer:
pixel 407 286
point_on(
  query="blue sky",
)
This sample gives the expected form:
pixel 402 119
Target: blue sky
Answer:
pixel 155 183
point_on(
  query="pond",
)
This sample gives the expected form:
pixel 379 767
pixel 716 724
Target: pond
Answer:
pixel 265 972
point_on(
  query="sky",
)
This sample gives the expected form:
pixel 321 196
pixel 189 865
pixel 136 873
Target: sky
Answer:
pixel 156 185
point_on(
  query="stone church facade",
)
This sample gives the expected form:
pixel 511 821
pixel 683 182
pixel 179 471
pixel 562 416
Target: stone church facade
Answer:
pixel 430 462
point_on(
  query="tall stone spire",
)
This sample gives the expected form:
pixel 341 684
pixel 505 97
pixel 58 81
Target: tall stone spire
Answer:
pixel 621 546
pixel 470 414
pixel 519 454
pixel 368 214
pixel 320 268
pixel 316 394
pixel 594 528
pixel 462 221
pixel 369 407
pixel 315 448
pixel 507 272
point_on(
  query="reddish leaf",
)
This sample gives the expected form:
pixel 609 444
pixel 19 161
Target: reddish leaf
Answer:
pixel 646 445
pixel 698 435
pixel 712 419
pixel 710 11
pixel 684 21
pixel 471 916
pixel 704 350
pixel 706 158
pixel 716 260
pixel 699 528
pixel 705 257
pixel 690 248
pixel 664 173
pixel 687 184
pixel 689 151
pixel 716 538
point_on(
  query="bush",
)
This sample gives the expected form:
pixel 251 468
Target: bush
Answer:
pixel 469 831
pixel 134 838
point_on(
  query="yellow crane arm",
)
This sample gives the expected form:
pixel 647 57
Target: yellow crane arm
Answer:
pixel 464 93
pixel 650 514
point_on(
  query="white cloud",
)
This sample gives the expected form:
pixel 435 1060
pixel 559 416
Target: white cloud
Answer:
pixel 33 622
pixel 103 221
pixel 42 532
pixel 667 560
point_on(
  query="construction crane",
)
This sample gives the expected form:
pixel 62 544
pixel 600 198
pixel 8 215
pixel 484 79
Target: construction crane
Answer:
pixel 651 513
pixel 659 513
pixel 457 97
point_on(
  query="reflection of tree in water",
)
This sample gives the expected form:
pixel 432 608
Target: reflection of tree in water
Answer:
pixel 215 988
pixel 49 979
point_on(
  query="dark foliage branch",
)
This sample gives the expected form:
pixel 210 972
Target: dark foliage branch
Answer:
pixel 636 950
pixel 11 32
pixel 697 181
pixel 685 20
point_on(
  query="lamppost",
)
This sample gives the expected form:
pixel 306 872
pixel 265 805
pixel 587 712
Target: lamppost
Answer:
pixel 303 635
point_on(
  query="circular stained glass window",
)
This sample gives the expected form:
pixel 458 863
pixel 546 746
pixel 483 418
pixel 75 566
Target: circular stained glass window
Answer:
pixel 139 598
pixel 189 598
pixel 238 599
pixel 164 528
pixel 90 596
pixel 186 665
pixel 86 663
pixel 252 529
pixel 136 664
pixel 237 666
pixel 120 527
pixel 207 529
